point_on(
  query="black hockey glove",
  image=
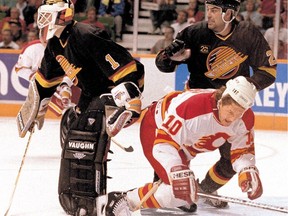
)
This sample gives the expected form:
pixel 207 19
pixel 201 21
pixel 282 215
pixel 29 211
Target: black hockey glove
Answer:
pixel 174 47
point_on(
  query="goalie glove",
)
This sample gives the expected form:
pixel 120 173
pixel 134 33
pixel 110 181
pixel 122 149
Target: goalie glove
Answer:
pixel 184 184
pixel 127 97
pixel 249 181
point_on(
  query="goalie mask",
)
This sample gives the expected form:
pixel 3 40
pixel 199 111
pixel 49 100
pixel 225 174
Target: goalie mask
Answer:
pixel 242 91
pixel 53 15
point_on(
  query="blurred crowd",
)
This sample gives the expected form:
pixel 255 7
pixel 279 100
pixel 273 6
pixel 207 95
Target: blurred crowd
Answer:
pixel 260 12
pixel 18 19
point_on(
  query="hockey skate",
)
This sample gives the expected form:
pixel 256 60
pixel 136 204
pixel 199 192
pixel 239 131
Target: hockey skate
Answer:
pixel 113 204
pixel 212 202
pixel 189 208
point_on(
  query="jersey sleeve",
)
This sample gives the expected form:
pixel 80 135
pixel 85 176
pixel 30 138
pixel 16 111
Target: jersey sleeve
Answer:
pixel 242 143
pixel 261 59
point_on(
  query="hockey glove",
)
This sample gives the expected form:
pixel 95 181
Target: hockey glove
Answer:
pixel 174 47
pixel 184 184
pixel 250 182
pixel 65 95
pixel 127 98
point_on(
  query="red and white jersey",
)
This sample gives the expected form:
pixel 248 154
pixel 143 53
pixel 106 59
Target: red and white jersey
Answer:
pixel 29 59
pixel 189 122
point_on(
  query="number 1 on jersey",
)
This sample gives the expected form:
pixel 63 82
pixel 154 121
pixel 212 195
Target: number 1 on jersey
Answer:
pixel 112 62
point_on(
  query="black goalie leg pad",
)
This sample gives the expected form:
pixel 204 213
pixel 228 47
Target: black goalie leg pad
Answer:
pixel 68 117
pixel 83 169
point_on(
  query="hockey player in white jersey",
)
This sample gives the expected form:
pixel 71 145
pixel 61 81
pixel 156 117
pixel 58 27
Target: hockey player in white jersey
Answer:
pixel 183 124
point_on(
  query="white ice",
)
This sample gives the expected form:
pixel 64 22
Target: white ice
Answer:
pixel 36 192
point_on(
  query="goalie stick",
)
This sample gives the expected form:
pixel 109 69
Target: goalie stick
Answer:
pixel 127 149
pixel 217 197
pixel 19 172
pixel 244 202
pixel 150 193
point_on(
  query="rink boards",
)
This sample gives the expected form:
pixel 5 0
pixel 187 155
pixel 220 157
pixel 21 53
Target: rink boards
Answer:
pixel 270 105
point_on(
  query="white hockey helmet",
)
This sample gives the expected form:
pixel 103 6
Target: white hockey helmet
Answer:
pixel 52 15
pixel 242 91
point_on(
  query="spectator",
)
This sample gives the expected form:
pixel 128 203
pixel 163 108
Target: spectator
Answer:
pixel 21 4
pixel 15 28
pixel 92 18
pixel 162 43
pixel 7 42
pixel 6 5
pixel 115 9
pixel 14 17
pixel 282 39
pixel 29 12
pixel 34 24
pixel 163 17
pixel 251 14
pixel 194 14
pixel 284 12
pixel 181 22
pixel 22 41
pixel 267 9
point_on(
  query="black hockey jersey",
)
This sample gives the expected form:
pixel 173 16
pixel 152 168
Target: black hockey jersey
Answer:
pixel 214 59
pixel 88 57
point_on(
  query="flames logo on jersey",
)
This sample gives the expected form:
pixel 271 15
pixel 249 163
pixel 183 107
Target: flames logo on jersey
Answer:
pixel 223 62
pixel 211 142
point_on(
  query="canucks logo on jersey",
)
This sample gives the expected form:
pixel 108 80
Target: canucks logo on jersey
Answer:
pixel 223 62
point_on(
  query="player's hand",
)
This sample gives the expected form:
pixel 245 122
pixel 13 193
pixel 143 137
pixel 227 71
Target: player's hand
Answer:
pixel 249 181
pixel 123 117
pixel 184 184
pixel 127 97
pixel 65 94
pixel 174 47
pixel 176 51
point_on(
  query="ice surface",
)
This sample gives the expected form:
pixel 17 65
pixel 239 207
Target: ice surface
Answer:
pixel 36 193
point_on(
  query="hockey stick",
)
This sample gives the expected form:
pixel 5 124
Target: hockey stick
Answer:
pixel 17 178
pixel 150 193
pixel 127 149
pixel 244 202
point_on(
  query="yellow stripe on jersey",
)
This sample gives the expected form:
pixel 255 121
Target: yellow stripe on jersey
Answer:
pixel 270 70
pixel 128 69
pixel 47 83
pixel 163 137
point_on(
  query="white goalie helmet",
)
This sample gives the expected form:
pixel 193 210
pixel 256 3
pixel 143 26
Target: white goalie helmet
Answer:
pixel 242 91
pixel 52 15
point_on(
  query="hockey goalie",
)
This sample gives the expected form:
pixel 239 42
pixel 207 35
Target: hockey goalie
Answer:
pixel 107 74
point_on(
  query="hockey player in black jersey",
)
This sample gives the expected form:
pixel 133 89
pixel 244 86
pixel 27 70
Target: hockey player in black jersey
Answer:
pixel 106 73
pixel 215 51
